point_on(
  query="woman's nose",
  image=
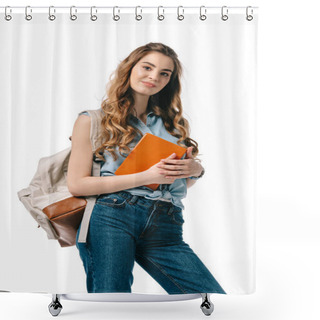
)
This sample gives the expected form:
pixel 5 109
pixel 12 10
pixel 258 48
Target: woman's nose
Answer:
pixel 154 76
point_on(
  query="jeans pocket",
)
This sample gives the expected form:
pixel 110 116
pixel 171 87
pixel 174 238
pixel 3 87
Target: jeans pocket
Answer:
pixel 177 217
pixel 112 200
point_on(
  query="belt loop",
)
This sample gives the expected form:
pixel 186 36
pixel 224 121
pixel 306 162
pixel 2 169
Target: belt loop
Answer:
pixel 171 209
pixel 133 199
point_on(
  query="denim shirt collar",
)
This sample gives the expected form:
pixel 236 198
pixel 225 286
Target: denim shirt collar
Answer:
pixel 151 113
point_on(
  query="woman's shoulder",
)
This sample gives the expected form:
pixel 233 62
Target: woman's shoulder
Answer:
pixel 82 123
pixel 92 112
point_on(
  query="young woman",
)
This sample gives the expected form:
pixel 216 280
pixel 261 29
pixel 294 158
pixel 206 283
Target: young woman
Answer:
pixel 131 222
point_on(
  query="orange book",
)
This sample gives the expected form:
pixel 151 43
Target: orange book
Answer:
pixel 147 152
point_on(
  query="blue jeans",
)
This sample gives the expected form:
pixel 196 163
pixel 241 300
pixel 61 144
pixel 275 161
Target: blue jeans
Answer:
pixel 125 228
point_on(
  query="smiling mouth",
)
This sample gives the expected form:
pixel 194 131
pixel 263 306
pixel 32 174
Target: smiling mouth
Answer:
pixel 148 84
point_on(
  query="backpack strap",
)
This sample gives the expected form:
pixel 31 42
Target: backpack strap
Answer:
pixel 91 201
pixel 95 130
pixel 86 219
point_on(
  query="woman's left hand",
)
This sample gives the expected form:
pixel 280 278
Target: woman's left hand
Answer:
pixel 179 169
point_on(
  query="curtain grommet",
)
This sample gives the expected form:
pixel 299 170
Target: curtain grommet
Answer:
pixel 93 17
pixel 28 16
pixel 160 16
pixel 224 13
pixel 249 17
pixel 180 16
pixel 203 16
pixel 138 16
pixel 115 17
pixel 51 16
pixel 73 16
pixel 7 16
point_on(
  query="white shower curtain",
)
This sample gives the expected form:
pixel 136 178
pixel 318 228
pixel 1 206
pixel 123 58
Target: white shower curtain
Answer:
pixel 51 70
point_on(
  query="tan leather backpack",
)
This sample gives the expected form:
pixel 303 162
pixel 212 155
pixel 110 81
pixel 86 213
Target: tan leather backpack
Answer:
pixel 49 186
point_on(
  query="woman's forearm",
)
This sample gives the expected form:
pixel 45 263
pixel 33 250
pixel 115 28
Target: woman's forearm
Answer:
pixel 88 186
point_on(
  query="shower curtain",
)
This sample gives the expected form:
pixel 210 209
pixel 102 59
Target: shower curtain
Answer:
pixel 53 68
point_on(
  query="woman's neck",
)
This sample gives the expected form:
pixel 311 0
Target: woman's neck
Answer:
pixel 140 106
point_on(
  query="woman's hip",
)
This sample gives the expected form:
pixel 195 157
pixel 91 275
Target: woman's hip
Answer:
pixel 135 214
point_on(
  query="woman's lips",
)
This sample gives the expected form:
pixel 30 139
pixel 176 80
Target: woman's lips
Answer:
pixel 148 84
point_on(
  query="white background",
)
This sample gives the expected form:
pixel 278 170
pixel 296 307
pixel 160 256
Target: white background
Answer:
pixel 50 71
pixel 287 187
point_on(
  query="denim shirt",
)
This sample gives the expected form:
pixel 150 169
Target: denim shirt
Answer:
pixel 168 192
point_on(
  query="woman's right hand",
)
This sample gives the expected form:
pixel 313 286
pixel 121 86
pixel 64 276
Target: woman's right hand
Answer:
pixel 154 174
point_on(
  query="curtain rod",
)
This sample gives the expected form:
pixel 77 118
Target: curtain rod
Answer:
pixel 126 7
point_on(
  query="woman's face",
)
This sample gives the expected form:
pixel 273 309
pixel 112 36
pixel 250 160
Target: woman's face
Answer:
pixel 151 73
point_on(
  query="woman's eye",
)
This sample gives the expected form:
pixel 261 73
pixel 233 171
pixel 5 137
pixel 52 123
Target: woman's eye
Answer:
pixel 163 73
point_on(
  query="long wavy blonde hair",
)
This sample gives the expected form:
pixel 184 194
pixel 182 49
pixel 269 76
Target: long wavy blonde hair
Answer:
pixel 117 107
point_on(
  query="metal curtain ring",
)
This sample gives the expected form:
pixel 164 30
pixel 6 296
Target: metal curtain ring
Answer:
pixel 116 17
pixel 203 16
pixel 224 16
pixel 73 16
pixel 28 17
pixel 52 16
pixel 160 16
pixel 93 17
pixel 249 16
pixel 138 16
pixel 7 16
pixel 180 16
